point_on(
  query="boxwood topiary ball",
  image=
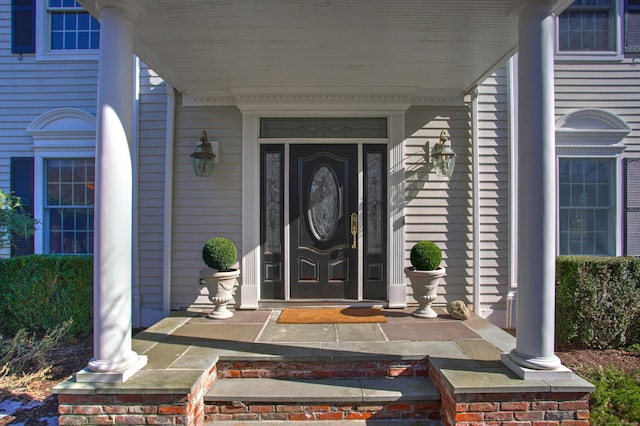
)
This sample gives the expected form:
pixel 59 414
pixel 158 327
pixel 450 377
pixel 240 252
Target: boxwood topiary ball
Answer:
pixel 425 256
pixel 219 253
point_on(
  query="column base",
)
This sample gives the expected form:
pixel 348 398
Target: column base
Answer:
pixel 536 368
pixel 87 375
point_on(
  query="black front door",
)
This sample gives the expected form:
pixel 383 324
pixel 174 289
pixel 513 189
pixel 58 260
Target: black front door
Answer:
pixel 323 217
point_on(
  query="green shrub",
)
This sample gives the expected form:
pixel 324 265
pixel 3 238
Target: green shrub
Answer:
pixel 425 256
pixel 597 301
pixel 219 253
pixel 616 399
pixel 40 292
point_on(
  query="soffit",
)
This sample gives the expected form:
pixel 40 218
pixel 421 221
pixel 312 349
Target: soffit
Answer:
pixel 209 48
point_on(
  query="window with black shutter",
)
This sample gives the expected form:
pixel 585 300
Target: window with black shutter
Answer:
pixel 23 26
pixel 632 26
pixel 22 186
pixel 632 206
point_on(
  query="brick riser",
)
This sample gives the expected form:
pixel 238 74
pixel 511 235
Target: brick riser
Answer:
pixel 321 370
pixel 280 411
pixel 327 411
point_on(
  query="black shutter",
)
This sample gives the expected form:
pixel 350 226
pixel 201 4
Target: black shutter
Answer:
pixel 22 186
pixel 632 206
pixel 23 26
pixel 632 26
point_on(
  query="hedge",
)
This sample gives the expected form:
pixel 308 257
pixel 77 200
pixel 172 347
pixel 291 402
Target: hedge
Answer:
pixel 39 292
pixel 597 301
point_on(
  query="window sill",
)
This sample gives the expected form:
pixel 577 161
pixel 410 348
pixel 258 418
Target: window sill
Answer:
pixel 589 57
pixel 66 56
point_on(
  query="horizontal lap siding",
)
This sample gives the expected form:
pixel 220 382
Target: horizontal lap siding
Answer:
pixel 30 88
pixel 613 86
pixel 152 112
pixel 204 208
pixel 440 209
pixel 493 140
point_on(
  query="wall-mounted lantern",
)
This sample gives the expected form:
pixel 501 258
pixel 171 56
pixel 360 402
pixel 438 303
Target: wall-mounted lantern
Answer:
pixel 443 158
pixel 203 157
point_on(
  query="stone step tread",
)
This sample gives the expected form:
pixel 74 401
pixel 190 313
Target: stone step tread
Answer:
pixel 366 389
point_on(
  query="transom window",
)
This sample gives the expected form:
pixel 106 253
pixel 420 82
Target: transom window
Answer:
pixel 68 206
pixel 587 206
pixel 588 25
pixel 72 28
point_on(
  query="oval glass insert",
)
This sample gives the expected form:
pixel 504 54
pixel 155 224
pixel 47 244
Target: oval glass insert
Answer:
pixel 324 203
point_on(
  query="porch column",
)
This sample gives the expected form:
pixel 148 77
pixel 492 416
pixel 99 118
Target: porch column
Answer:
pixel 536 189
pixel 113 360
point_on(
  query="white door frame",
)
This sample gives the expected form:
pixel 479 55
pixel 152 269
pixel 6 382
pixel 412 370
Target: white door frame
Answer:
pixel 392 108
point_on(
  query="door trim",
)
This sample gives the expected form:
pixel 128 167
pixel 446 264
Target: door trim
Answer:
pixel 250 249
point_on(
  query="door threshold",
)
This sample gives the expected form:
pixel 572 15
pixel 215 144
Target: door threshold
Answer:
pixel 321 303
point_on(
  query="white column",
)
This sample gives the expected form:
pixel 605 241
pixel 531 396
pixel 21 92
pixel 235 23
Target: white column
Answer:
pixel 536 190
pixel 396 287
pixel 113 360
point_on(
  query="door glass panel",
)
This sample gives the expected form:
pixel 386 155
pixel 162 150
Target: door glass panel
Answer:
pixel 324 203
pixel 273 206
pixel 374 202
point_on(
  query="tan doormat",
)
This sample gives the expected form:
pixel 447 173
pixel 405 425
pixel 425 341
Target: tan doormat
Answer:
pixel 331 316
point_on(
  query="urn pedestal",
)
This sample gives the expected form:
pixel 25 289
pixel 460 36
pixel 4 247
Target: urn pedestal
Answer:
pixel 222 287
pixel 425 286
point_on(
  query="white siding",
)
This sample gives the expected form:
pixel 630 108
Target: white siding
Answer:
pixel 613 86
pixel 440 209
pixel 204 208
pixel 152 128
pixel 494 187
pixel 29 89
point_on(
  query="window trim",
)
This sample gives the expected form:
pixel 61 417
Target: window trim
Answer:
pixel 598 134
pixel 59 133
pixel 43 40
pixel 605 55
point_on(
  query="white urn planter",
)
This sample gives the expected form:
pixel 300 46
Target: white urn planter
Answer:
pixel 222 287
pixel 425 286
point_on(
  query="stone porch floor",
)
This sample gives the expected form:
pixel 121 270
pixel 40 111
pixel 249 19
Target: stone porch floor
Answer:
pixel 187 345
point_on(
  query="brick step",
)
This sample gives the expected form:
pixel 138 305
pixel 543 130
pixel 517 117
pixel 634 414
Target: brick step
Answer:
pixel 347 399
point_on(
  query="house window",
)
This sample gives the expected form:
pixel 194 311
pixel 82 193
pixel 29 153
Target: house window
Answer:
pixel 587 206
pixel 66 31
pixel 588 25
pixel 68 205
pixel 72 28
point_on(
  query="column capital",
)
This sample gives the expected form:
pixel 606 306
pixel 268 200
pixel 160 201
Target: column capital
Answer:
pixel 129 8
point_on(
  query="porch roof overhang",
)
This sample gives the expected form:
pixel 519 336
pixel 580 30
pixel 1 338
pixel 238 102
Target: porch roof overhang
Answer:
pixel 213 51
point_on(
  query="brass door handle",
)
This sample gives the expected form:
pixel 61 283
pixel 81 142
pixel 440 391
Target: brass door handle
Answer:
pixel 354 230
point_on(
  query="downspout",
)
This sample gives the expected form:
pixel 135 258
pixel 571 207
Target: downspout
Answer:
pixel 475 152
pixel 135 244
pixel 168 200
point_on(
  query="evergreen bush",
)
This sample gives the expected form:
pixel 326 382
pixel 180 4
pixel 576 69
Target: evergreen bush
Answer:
pixel 219 253
pixel 597 301
pixel 41 292
pixel 425 256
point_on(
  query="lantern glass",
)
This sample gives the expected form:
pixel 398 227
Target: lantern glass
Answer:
pixel 203 158
pixel 443 160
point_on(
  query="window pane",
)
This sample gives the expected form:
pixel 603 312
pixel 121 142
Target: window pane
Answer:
pixel 587 26
pixel 69 208
pixel 586 221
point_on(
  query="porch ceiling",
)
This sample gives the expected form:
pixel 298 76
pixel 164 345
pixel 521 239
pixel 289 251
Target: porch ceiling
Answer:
pixel 209 48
